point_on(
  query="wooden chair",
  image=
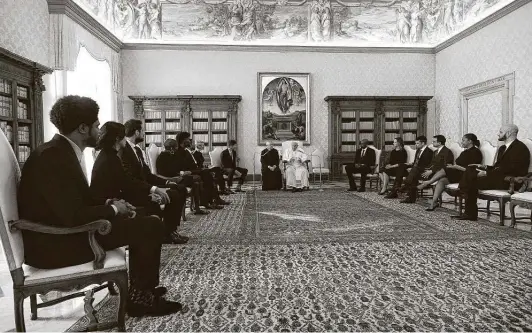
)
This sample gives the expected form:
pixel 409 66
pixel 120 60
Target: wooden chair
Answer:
pixel 374 175
pixel 318 165
pixel 523 197
pixel 452 190
pixel 410 158
pixel 216 161
pixel 29 281
pixel 488 158
pixel 152 152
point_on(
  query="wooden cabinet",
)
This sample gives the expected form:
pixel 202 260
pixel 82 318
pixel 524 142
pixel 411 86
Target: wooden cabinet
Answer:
pixel 378 119
pixel 211 119
pixel 21 110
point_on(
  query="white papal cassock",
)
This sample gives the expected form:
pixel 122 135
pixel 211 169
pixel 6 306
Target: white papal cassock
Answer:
pixel 296 170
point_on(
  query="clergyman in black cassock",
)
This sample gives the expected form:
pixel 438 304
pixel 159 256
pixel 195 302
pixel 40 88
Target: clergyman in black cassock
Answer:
pixel 271 174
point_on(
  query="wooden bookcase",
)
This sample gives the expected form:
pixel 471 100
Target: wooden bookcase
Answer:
pixel 21 109
pixel 209 118
pixel 378 119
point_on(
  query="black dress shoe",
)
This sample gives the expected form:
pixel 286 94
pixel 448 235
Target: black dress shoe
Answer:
pixel 391 195
pixel 466 218
pixel 382 193
pixel 228 191
pixel 430 209
pixel 200 211
pixel 456 216
pixel 408 200
pixel 160 291
pixel 183 237
pixel 238 189
pixel 351 189
pixel 362 189
pixel 160 307
pixel 223 202
pixel 175 238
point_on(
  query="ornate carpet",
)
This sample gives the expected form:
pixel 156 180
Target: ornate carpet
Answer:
pixel 337 261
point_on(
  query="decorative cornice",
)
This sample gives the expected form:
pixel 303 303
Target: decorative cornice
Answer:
pixel 84 19
pixel 38 68
pixel 186 97
pixel 274 48
pixel 481 24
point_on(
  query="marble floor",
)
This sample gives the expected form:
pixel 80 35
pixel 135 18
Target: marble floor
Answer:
pixel 62 316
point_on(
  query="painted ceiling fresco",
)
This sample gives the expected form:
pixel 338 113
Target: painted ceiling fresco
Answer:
pixel 290 22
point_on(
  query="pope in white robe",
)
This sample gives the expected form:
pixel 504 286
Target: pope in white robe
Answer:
pixel 296 169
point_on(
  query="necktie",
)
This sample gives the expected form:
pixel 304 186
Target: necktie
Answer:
pixel 139 155
pixel 416 159
pixel 363 152
pixel 501 152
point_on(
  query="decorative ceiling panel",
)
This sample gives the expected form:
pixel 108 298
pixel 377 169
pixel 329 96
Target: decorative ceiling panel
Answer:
pixel 409 23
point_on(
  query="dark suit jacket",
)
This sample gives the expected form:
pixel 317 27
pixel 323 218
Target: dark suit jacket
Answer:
pixel 138 170
pixel 110 181
pixel 185 161
pixel 368 159
pixel 425 159
pixel 167 164
pixel 227 161
pixel 200 160
pixel 514 161
pixel 54 191
pixel 440 160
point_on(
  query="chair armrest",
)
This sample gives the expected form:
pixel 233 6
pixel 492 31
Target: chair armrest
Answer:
pixel 103 227
pixel 522 181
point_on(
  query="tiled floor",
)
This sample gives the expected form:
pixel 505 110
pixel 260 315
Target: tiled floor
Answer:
pixel 62 316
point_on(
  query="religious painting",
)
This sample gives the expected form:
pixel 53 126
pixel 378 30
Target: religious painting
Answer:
pixel 283 107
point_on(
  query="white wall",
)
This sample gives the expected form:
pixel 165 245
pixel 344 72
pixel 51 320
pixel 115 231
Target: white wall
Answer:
pixel 24 28
pixel 173 72
pixel 502 47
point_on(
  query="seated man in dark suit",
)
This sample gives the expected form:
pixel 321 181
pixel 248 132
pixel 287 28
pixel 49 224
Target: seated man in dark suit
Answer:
pixel 229 160
pixel 54 191
pixel 421 163
pixel 441 157
pixel 216 171
pixel 135 166
pixel 168 166
pixel 513 159
pixel 364 162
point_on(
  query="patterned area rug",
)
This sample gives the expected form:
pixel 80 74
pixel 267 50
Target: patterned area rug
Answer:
pixel 336 261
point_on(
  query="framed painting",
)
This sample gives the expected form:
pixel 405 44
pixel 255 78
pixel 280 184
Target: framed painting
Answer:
pixel 283 107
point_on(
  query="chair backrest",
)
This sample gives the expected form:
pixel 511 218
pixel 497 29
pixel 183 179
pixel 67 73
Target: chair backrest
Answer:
pixel 456 149
pixel 528 143
pixel 410 154
pixel 216 157
pixel 152 153
pixel 9 178
pixel 317 158
pixel 378 153
pixel 488 153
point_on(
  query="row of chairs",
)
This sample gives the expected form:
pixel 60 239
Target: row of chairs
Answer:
pixel 520 196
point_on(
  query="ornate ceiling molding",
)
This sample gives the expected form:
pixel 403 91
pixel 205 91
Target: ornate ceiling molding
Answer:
pixel 275 48
pixel 84 19
pixel 481 24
